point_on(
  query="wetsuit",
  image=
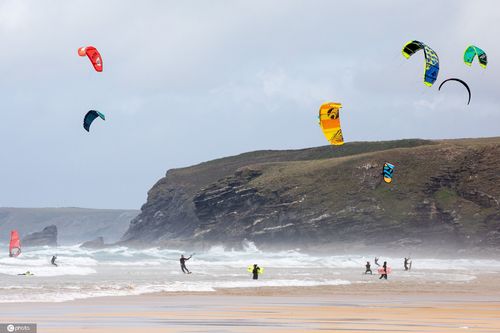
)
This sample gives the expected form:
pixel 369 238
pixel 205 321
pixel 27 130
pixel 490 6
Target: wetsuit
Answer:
pixel 183 265
pixel 53 261
pixel 368 268
pixel 376 262
pixel 385 272
pixel 406 264
pixel 255 272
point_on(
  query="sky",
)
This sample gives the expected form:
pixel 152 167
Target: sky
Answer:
pixel 189 81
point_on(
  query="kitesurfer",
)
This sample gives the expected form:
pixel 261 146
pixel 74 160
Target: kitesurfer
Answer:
pixel 183 264
pixel 255 271
pixel 53 260
pixel 384 275
pixel 376 262
pixel 368 268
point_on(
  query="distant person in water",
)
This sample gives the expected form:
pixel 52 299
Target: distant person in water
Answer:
pixel 53 260
pixel 406 264
pixel 384 275
pixel 376 262
pixel 255 272
pixel 183 264
pixel 368 268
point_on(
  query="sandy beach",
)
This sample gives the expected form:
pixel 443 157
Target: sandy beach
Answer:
pixel 388 306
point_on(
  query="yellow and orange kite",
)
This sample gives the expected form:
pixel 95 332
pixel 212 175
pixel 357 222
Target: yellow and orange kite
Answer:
pixel 329 120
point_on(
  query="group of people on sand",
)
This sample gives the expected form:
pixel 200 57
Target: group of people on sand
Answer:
pixel 384 271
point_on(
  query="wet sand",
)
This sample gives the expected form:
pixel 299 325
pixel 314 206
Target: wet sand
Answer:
pixel 388 306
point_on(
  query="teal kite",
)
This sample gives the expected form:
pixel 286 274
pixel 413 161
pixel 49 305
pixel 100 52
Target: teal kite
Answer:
pixel 431 60
pixel 90 117
pixel 471 52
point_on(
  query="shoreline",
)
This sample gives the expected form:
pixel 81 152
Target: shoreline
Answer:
pixel 394 306
pixel 484 287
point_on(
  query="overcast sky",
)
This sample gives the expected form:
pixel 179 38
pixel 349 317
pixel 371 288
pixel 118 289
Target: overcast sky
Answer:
pixel 189 81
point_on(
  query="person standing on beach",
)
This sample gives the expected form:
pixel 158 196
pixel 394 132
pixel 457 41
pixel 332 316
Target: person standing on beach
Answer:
pixel 183 264
pixel 384 276
pixel 368 268
pixel 255 272
pixel 406 263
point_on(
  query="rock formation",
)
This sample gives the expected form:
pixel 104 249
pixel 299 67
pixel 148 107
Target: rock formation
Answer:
pixel 46 237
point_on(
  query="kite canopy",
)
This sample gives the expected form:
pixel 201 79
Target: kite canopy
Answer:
pixel 15 244
pixel 471 52
pixel 431 60
pixel 458 80
pixel 329 121
pixel 90 117
pixel 94 56
pixel 388 171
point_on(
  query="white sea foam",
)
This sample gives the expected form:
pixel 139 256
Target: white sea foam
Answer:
pixel 119 271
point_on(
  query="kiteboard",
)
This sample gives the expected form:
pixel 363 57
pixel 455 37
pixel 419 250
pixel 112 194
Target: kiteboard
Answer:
pixel 380 270
pixel 250 269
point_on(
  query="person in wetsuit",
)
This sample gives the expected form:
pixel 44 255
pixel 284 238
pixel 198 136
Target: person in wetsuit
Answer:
pixel 183 264
pixel 368 268
pixel 53 260
pixel 384 276
pixel 255 271
pixel 406 263
pixel 376 261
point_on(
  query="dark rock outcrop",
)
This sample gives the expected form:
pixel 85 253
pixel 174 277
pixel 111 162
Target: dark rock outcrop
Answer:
pixel 444 193
pixel 97 243
pixel 46 237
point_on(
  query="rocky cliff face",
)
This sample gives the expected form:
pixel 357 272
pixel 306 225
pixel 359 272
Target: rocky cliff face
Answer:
pixel 46 237
pixel 444 193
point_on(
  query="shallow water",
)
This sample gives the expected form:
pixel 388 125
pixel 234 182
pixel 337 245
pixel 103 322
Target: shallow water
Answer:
pixel 84 273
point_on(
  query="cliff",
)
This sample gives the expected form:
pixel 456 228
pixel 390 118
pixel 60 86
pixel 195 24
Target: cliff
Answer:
pixel 444 193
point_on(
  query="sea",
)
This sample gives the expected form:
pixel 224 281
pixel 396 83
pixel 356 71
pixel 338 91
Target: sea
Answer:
pixel 121 271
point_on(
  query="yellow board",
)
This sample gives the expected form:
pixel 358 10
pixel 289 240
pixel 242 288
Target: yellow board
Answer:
pixel 250 269
pixel 329 120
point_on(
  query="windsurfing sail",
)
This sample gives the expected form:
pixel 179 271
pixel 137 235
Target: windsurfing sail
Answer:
pixel 15 244
pixel 329 121
pixel 388 171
